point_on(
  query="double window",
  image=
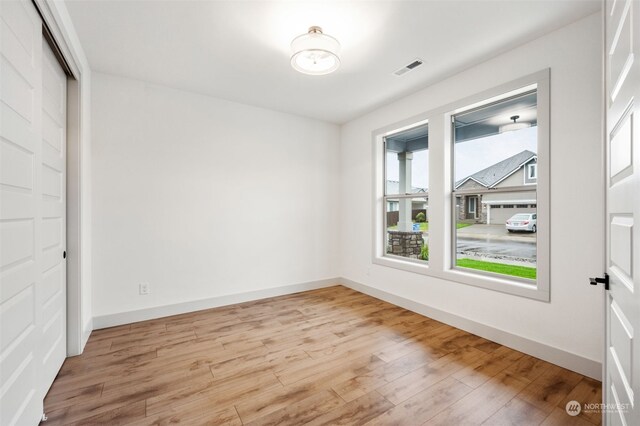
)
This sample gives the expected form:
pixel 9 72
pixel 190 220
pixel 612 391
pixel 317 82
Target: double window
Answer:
pixel 465 201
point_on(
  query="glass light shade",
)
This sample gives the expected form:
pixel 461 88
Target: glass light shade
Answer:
pixel 514 126
pixel 315 53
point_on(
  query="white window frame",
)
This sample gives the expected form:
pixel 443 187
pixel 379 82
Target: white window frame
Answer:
pixel 530 167
pixel 386 198
pixel 442 201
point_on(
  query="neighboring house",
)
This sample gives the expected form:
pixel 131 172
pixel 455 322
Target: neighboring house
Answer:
pixel 496 208
pixel 417 205
pixel 393 187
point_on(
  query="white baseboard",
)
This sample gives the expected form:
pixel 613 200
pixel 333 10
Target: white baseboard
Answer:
pixel 86 332
pixel 568 360
pixel 120 318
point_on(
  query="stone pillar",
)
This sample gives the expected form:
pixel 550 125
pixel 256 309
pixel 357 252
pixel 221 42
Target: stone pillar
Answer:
pixel 484 215
pixel 406 244
pixel 462 208
pixel 404 221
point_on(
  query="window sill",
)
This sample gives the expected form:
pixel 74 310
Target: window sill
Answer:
pixel 516 287
pixel 398 262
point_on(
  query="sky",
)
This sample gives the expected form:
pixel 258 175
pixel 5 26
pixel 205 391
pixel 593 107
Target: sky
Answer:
pixel 471 156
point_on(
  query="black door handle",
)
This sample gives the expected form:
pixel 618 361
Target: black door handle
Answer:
pixel 597 280
pixel 64 254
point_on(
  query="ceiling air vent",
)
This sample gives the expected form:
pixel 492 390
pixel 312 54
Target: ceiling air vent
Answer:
pixel 413 65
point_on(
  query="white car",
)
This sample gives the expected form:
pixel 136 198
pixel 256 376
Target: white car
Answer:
pixel 523 222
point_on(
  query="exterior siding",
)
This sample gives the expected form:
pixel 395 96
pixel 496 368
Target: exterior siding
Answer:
pixel 516 179
pixel 471 184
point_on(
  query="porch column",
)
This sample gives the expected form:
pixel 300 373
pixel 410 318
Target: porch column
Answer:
pixel 404 220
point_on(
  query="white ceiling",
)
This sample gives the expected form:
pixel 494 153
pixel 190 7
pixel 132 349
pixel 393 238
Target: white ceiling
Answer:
pixel 239 50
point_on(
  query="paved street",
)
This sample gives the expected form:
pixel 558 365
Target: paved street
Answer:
pixel 494 241
pixel 518 249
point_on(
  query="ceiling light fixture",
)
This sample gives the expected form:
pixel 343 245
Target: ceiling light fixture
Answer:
pixel 315 53
pixel 515 125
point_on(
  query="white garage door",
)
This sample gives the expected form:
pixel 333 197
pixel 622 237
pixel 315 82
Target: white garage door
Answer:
pixel 32 215
pixel 499 216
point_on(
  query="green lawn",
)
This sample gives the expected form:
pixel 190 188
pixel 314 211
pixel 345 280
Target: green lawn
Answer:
pixel 499 268
pixel 424 226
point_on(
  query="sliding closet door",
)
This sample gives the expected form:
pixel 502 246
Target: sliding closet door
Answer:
pixel 20 215
pixel 53 343
pixel 32 215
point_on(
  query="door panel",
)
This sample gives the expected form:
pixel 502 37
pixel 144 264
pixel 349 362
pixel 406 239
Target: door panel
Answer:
pixel 622 319
pixel 20 153
pixel 621 50
pixel 53 239
pixel 621 231
pixel 621 155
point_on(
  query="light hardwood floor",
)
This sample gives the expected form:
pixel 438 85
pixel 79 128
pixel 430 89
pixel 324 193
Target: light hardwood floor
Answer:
pixel 330 356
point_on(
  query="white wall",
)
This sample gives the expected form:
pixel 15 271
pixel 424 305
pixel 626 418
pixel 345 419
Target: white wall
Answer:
pixel 572 321
pixel 202 197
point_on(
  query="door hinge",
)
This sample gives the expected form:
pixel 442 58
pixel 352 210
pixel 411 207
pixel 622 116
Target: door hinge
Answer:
pixel 597 280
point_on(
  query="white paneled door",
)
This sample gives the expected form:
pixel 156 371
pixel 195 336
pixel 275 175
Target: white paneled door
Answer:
pixel 53 295
pixel 32 215
pixel 622 320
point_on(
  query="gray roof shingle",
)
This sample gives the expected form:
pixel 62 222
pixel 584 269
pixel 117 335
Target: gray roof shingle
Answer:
pixel 493 174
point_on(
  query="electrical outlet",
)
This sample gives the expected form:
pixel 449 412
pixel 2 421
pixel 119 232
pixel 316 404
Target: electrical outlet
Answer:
pixel 145 288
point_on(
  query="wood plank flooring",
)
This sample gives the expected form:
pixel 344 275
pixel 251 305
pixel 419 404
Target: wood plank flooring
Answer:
pixel 324 357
